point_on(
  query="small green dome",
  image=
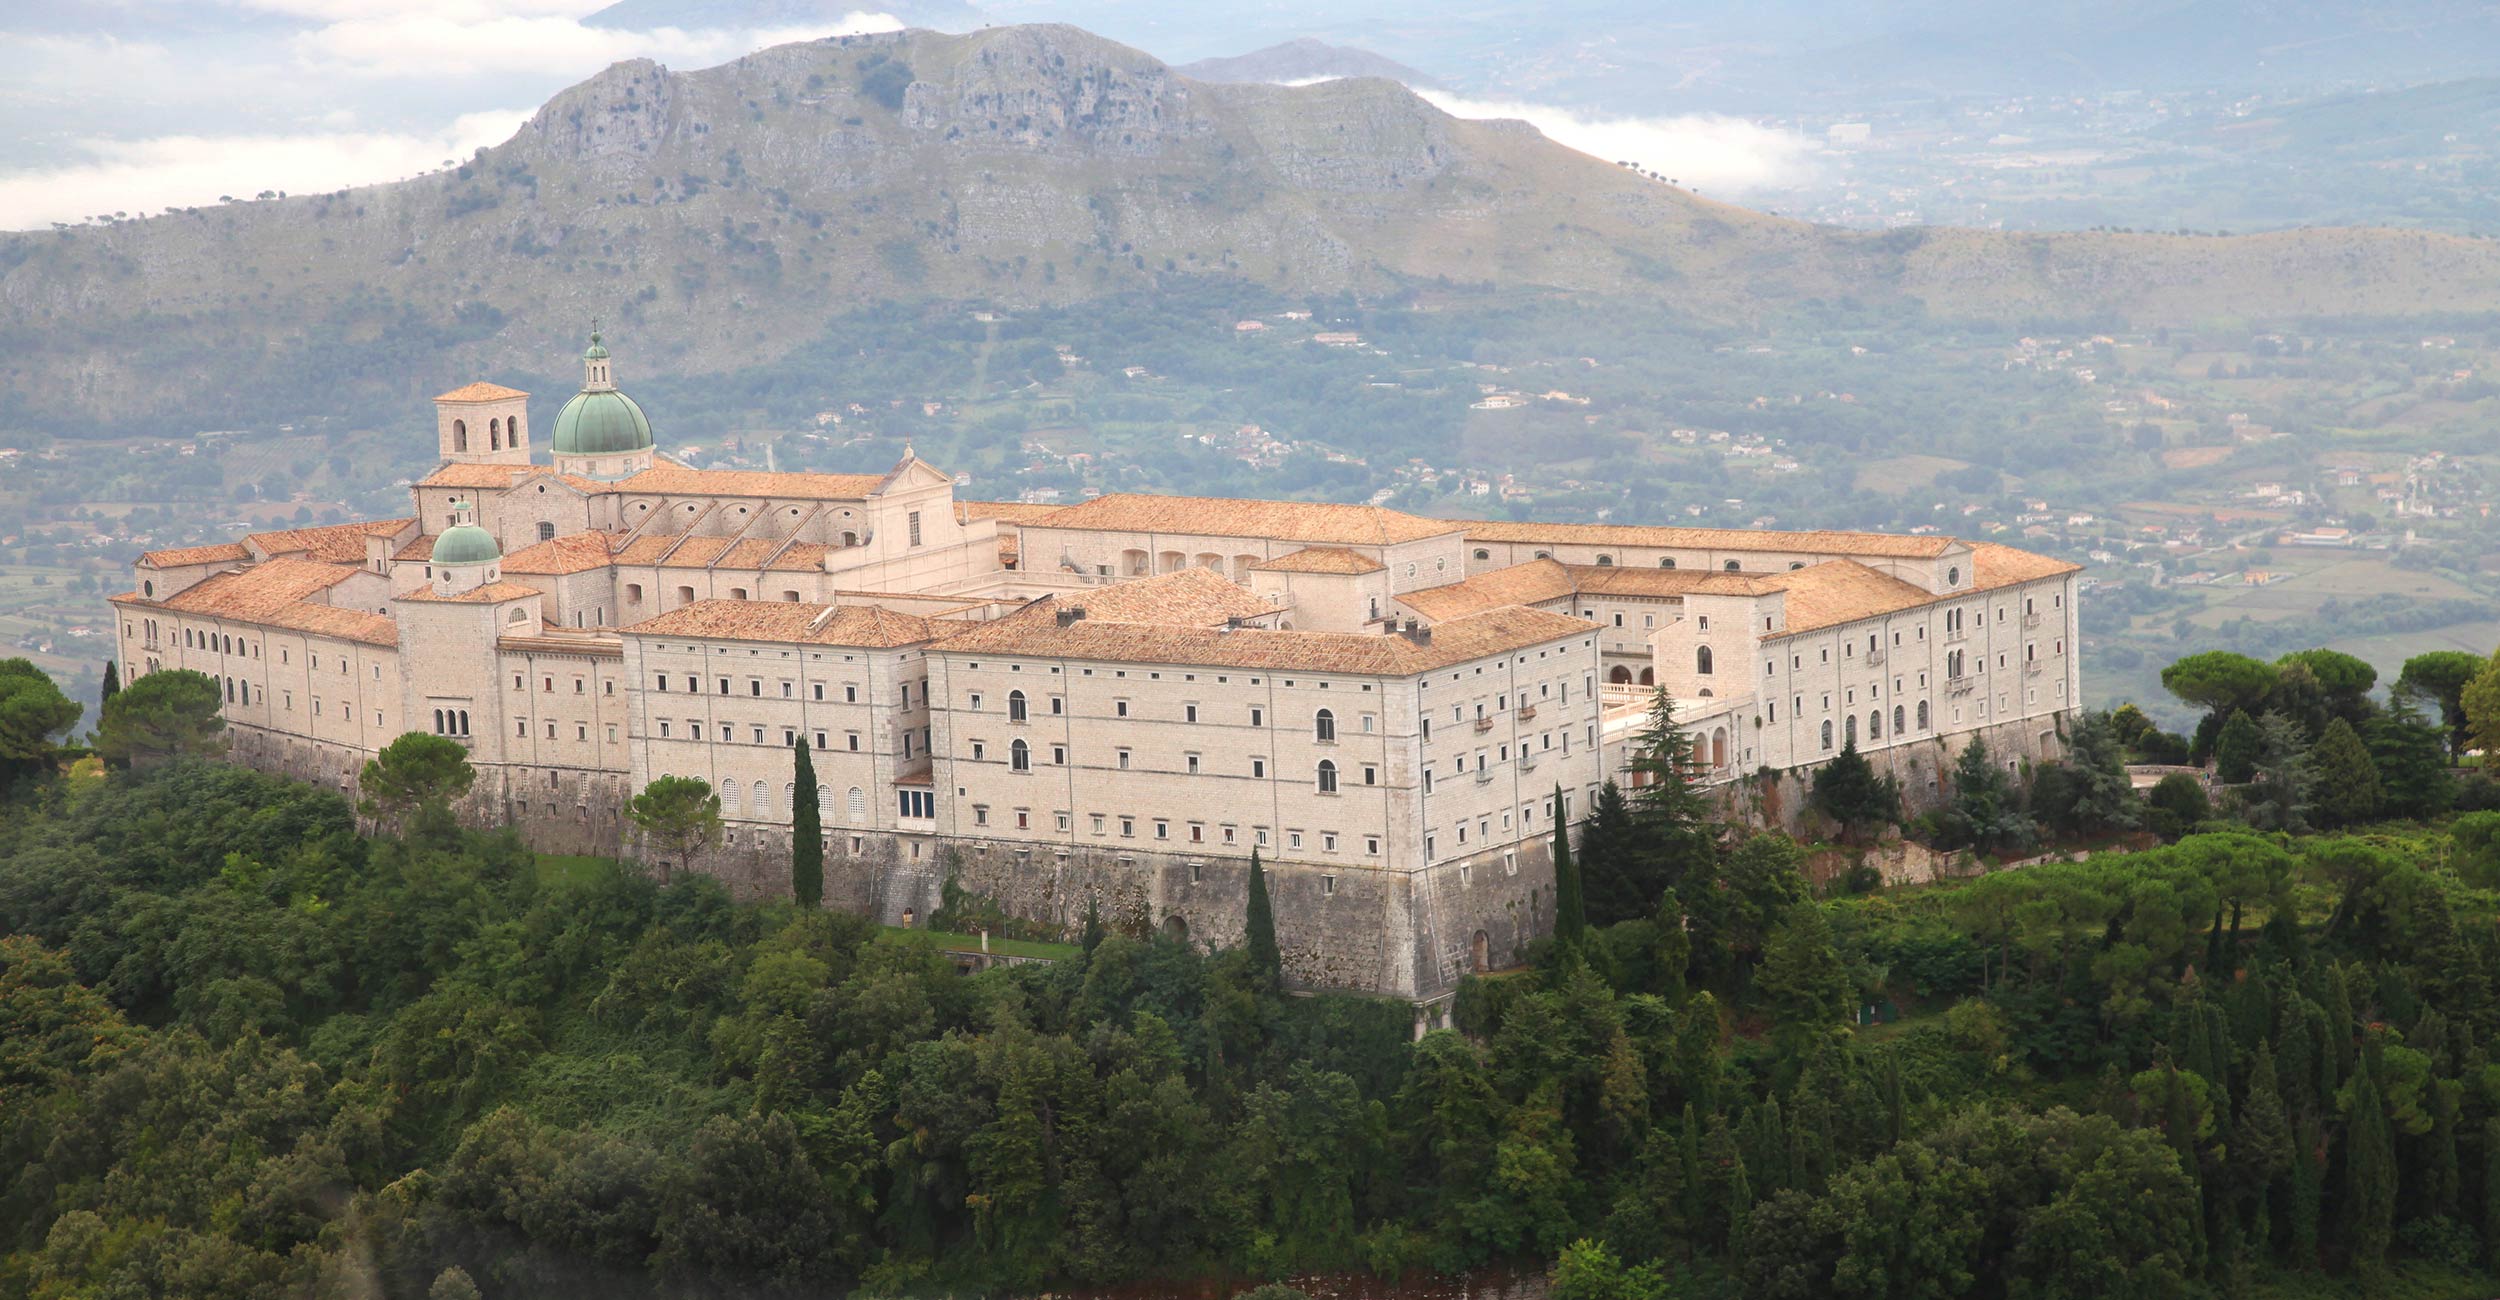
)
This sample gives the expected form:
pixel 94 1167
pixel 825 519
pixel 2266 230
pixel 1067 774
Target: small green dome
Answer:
pixel 466 544
pixel 601 423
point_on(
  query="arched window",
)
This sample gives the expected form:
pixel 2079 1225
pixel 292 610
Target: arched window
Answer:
pixel 1666 561
pixel 761 808
pixel 1794 565
pixel 546 531
pixel 858 801
pixel 824 799
pixel 1730 566
pixel 1649 677
pixel 1618 676
pixel 1701 661
pixel 1605 561
pixel 1324 726
pixel 1922 715
pixel 1827 733
pixel 1483 554
pixel 1875 724
pixel 1327 777
pixel 1020 757
pixel 729 796
pixel 459 435
pixel 1897 717
pixel 1015 708
pixel 464 722
pixel 790 795
pixel 494 435
pixel 438 722
pixel 1849 728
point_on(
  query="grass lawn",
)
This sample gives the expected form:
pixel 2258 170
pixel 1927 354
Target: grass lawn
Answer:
pixel 572 870
pixel 972 943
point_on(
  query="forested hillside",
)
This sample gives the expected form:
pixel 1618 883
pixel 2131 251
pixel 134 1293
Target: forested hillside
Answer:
pixel 248 1052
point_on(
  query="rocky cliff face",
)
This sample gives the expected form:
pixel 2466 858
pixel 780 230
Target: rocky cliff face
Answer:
pixel 723 215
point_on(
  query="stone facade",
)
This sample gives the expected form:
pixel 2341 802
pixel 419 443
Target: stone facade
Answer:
pixel 1114 703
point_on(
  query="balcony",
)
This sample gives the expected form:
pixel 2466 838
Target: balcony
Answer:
pixel 1527 713
pixel 1874 658
pixel 2032 619
pixel 1963 685
pixel 1483 725
pixel 2033 667
pixel 1484 776
pixel 1953 634
pixel 1527 760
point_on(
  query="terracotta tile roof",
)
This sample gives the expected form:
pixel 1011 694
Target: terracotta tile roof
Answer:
pixel 1322 559
pixel 1006 512
pixel 1305 522
pixel 1844 591
pixel 463 474
pixel 645 549
pixel 748 553
pixel 419 549
pixel 1191 597
pixel 802 557
pixel 480 391
pixel 219 553
pixel 1994 565
pixel 696 553
pixel 336 543
pixel 769 620
pixel 279 593
pixel 668 479
pixel 491 593
pixel 572 553
pixel 596 648
pixel 1711 539
pixel 1035 630
pixel 1533 583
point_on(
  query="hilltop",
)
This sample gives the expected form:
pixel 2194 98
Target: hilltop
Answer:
pixel 1304 59
pixel 725 215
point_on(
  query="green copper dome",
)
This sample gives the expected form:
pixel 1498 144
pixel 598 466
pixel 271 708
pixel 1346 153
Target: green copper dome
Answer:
pixel 466 544
pixel 601 423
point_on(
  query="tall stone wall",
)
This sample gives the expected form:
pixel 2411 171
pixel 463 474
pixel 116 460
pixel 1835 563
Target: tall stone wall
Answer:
pixel 1924 769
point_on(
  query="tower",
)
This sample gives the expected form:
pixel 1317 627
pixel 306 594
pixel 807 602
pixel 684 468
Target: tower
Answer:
pixel 483 424
pixel 601 433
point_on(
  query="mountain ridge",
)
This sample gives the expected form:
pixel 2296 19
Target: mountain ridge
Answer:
pixel 724 215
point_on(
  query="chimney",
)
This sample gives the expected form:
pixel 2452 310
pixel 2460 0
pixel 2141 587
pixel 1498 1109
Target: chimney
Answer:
pixel 1070 614
pixel 1419 633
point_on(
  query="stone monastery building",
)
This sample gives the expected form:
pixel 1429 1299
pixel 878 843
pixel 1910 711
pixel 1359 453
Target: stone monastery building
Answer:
pixel 1116 701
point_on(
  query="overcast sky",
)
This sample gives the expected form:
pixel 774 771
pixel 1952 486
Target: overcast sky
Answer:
pixel 133 106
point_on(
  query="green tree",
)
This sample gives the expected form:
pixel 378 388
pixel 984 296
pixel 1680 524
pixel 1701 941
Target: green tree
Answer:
pixel 679 815
pixel 1615 863
pixel 1571 920
pixel 1671 818
pixel 2235 752
pixel 2220 682
pixel 1847 790
pixel 2345 779
pixel 2261 1145
pixel 165 714
pixel 452 1283
pixel 2437 680
pixel 1802 980
pixel 2411 756
pixel 1985 812
pixel 112 680
pixel 2344 680
pixel 2177 803
pixel 2284 793
pixel 418 773
pixel 807 830
pixel 2481 702
pixel 1259 929
pixel 33 715
pixel 2368 1208
pixel 2100 796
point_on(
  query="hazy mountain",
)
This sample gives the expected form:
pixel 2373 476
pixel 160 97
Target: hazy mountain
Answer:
pixel 763 15
pixel 722 216
pixel 1304 59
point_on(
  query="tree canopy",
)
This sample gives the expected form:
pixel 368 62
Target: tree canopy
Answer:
pixel 170 713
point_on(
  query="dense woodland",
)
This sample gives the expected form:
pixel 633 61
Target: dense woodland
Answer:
pixel 248 1050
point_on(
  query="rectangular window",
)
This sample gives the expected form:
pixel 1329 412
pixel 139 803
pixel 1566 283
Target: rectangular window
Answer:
pixel 1258 767
pixel 912 523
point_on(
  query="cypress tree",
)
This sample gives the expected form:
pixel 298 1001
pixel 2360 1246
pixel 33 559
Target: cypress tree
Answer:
pixel 1260 929
pixel 2261 1145
pixel 1571 918
pixel 2340 1024
pixel 2308 1191
pixel 807 832
pixel 112 680
pixel 2368 1206
pixel 2235 752
pixel 2348 784
pixel 1093 933
pixel 2443 1189
pixel 1688 1155
pixel 2491 1193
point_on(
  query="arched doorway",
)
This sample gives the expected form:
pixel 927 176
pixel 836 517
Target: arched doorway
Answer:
pixel 1649 677
pixel 1480 953
pixel 1619 676
pixel 1175 928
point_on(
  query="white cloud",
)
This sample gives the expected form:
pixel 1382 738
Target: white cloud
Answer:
pixel 144 176
pixel 1725 156
pixel 435 45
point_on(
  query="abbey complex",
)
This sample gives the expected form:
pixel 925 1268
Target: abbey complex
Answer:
pixel 1112 702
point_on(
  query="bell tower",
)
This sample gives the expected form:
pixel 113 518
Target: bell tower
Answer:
pixel 483 424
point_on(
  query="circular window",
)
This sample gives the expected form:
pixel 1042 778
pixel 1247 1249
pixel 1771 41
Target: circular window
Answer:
pixel 1953 576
